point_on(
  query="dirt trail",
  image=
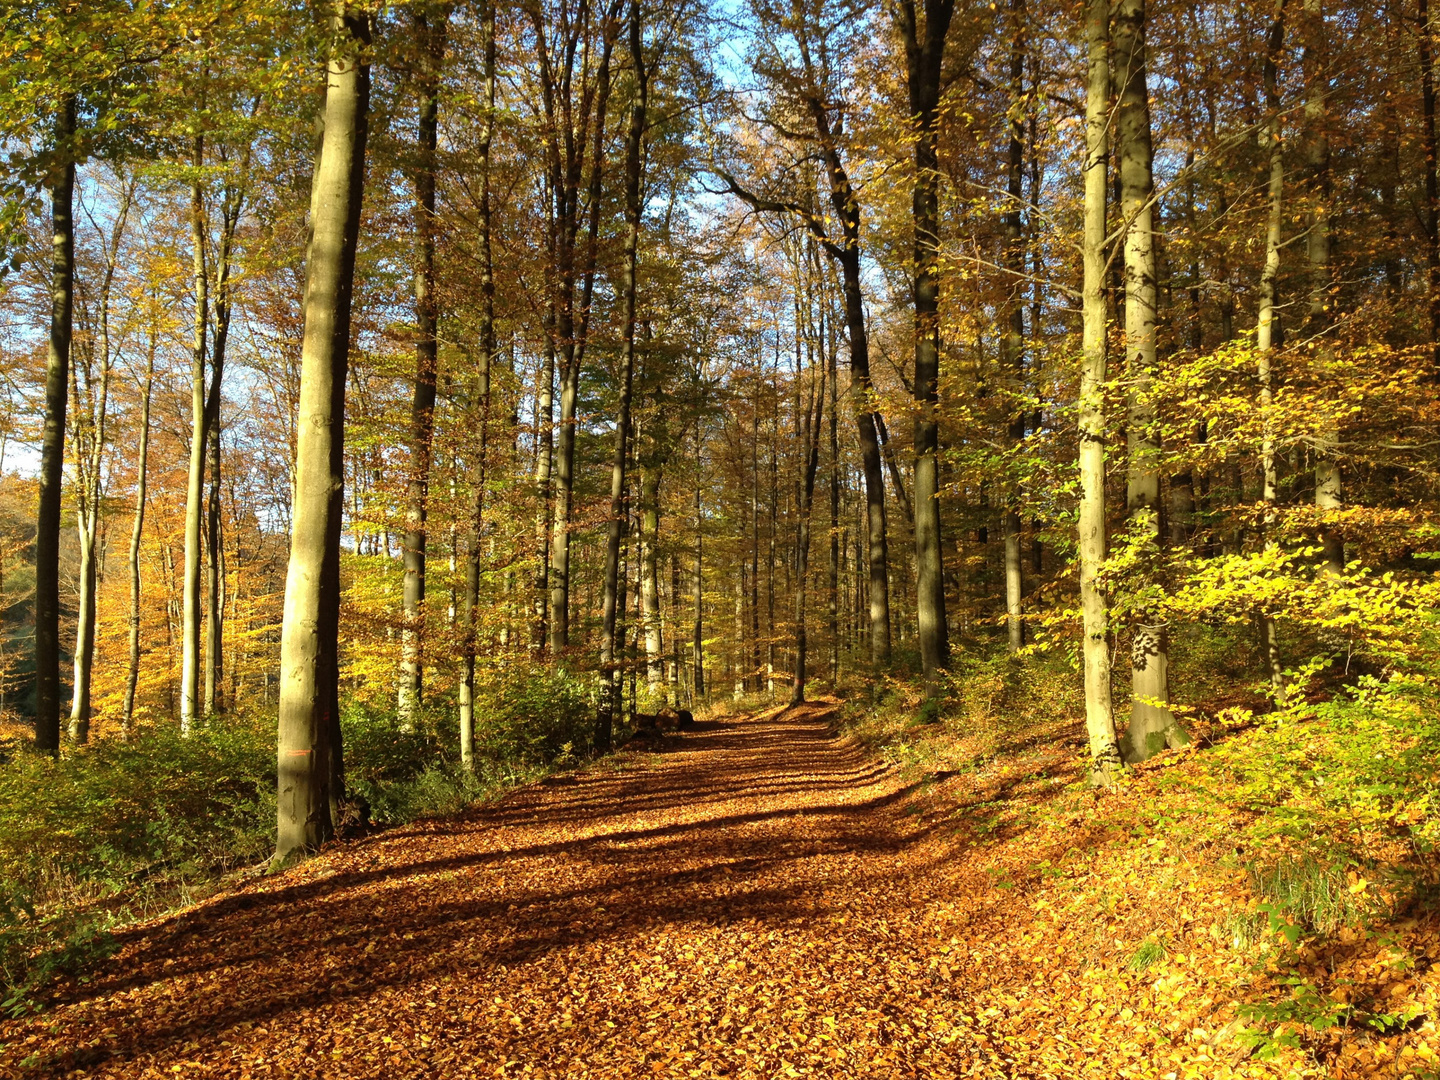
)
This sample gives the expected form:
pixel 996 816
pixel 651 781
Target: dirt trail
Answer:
pixel 755 898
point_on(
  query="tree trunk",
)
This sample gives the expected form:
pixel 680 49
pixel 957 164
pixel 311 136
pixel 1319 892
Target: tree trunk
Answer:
pixel 1099 718
pixel 215 546
pixel 1013 340
pixel 572 325
pixel 52 446
pixel 486 359
pixel 697 587
pixel 137 531
pixel 431 41
pixel 802 548
pixel 89 444
pixel 1265 324
pixel 834 566
pixel 924 53
pixel 1152 725
pixel 190 598
pixel 618 513
pixel 310 761
pixel 1426 44
pixel 650 576
pixel 1329 487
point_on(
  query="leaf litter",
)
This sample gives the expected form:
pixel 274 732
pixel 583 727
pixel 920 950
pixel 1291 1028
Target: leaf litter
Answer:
pixel 759 898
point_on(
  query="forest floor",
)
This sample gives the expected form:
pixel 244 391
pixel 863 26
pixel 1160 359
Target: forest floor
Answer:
pixel 754 897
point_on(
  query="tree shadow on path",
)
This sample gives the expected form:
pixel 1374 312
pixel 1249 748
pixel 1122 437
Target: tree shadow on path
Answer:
pixel 751 822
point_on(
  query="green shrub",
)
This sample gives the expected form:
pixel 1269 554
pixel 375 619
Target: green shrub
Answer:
pixel 115 811
pixel 531 715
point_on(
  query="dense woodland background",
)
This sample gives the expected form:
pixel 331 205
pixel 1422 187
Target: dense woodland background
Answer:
pixel 714 351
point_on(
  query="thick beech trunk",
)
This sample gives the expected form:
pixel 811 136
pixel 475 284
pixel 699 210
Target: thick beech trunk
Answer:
pixel 52 444
pixel 924 53
pixel 1099 718
pixel 309 753
pixel 1152 725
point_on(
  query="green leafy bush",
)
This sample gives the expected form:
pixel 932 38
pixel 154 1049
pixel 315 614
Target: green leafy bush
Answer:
pixel 118 810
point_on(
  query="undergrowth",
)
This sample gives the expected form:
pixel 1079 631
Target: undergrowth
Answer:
pixel 1311 827
pixel 123 830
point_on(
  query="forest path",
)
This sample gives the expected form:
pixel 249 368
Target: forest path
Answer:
pixel 753 898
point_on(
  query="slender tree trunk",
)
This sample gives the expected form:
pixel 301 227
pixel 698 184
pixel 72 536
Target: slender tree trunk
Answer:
pixel 1329 486
pixel 422 404
pixel 215 545
pixel 802 548
pixel 573 331
pixel 755 538
pixel 697 587
pixel 137 531
pixel 52 446
pixel 544 465
pixel 190 660
pixel 89 445
pixel 924 53
pixel 616 528
pixel 486 360
pixel 310 756
pixel 834 565
pixel 650 576
pixel 1099 718
pixel 1152 725
pixel 1013 340
pixel 1426 45
pixel 1265 324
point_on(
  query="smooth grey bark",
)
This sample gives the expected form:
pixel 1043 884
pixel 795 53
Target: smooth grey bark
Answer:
pixel 431 44
pixel 1152 725
pixel 52 444
pixel 1013 336
pixel 616 527
pixel 1265 323
pixel 1099 717
pixel 137 529
pixel 485 389
pixel 924 53
pixel 190 661
pixel 310 755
